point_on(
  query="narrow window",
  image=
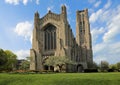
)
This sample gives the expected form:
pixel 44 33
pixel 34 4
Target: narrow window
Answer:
pixel 50 37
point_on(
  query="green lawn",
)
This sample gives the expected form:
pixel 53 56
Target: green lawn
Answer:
pixel 61 79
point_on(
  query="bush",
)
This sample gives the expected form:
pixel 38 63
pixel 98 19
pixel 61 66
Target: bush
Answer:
pixel 24 72
pixel 90 70
pixel 110 70
pixel 118 70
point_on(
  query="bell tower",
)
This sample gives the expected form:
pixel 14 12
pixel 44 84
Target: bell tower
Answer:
pixel 83 36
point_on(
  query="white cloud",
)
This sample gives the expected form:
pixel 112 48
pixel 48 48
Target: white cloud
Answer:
pixel 24 29
pixel 108 48
pixel 97 4
pixel 37 2
pixel 98 48
pixel 91 10
pixel 25 2
pixel 98 59
pixel 95 16
pixel 108 4
pixel 31 37
pixel 96 32
pixel 101 14
pixel 22 54
pixel 113 26
pixel 15 2
pixel 91 1
pixel 107 51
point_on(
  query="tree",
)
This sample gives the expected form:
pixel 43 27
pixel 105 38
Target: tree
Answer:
pixel 95 65
pixel 113 67
pixel 57 61
pixel 51 61
pixel 63 60
pixel 104 65
pixel 118 65
pixel 3 59
pixel 90 64
pixel 12 60
pixel 25 65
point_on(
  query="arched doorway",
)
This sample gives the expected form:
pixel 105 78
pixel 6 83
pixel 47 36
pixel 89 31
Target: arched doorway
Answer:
pixel 79 68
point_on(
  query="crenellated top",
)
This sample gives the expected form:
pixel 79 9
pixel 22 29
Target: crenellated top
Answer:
pixel 50 15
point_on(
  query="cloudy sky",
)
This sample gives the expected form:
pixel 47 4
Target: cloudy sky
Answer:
pixel 16 24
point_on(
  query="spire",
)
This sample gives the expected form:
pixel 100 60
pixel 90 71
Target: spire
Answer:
pixel 36 19
pixel 49 11
pixel 63 9
pixel 64 13
pixel 37 14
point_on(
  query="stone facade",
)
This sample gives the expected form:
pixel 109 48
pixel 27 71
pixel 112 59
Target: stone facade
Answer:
pixel 53 36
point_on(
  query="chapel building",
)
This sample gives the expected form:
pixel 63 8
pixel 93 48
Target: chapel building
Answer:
pixel 53 36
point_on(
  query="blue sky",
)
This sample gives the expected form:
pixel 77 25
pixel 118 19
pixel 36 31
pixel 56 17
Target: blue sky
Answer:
pixel 16 24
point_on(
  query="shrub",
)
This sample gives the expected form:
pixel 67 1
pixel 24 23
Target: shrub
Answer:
pixel 90 70
pixel 110 70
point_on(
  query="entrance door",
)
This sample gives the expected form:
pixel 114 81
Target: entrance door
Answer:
pixel 80 68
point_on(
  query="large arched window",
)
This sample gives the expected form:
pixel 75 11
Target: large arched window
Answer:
pixel 50 37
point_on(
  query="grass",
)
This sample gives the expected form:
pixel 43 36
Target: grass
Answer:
pixel 61 79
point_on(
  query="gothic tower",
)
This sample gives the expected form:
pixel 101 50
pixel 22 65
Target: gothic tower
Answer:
pixel 35 52
pixel 83 36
